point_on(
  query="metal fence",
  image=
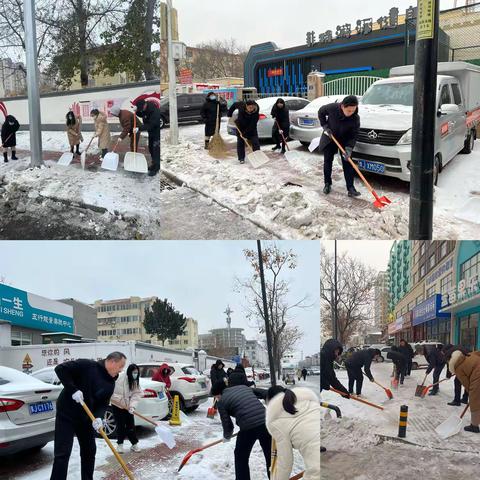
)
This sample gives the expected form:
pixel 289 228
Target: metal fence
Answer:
pixel 354 85
pixel 255 95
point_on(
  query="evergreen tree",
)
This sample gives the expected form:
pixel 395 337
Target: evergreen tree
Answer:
pixel 164 321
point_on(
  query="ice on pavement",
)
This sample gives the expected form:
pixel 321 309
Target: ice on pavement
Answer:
pixel 286 197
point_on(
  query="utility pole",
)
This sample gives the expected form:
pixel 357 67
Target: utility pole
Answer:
pixel 335 311
pixel 172 80
pixel 34 116
pixel 265 316
pixel 424 118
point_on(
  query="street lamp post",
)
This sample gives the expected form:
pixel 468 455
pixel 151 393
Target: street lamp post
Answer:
pixel 172 80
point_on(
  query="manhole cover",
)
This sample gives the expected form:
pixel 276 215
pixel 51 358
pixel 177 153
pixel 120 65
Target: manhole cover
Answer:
pixel 166 184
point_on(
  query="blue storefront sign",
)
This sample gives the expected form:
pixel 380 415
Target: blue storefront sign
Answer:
pixel 25 309
pixel 428 310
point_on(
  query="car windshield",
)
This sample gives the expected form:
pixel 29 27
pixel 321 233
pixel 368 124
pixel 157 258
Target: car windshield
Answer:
pixel 190 371
pixel 389 94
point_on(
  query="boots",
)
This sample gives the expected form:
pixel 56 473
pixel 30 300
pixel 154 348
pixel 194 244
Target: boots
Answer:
pixel 14 157
pixel 472 428
pixel 353 193
pixel 276 147
pixel 78 150
pixel 5 157
pixel 206 144
pixel 327 189
pixel 455 403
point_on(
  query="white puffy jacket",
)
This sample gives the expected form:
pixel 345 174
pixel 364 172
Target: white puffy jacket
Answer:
pixel 122 394
pixel 300 431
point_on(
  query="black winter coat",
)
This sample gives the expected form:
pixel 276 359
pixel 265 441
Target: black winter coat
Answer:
pixel 242 403
pixel 239 377
pixel 246 122
pixel 208 113
pixel 345 129
pixel 362 358
pixel 406 351
pixel 9 130
pixel 397 358
pixel 435 359
pixel 327 373
pixel 92 379
pixel 282 116
pixel 216 375
pixel 151 121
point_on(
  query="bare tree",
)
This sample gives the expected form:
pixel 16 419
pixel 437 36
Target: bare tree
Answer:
pixel 354 295
pixel 277 262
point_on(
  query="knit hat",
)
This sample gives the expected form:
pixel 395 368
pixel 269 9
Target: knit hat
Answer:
pixel 350 101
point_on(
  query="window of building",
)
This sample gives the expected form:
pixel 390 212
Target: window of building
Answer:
pixel 422 249
pixel 446 283
pixel 468 331
pixel 19 337
pixel 419 299
pixel 443 249
pixel 422 270
pixel 431 262
pixel 471 267
pixel 431 291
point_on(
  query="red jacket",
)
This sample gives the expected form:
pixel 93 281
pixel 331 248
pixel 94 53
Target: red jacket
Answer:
pixel 161 375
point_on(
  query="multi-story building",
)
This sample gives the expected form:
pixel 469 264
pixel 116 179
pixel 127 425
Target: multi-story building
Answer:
pixel 188 339
pixel 12 78
pixel 85 319
pixel 256 353
pixel 399 279
pixel 381 300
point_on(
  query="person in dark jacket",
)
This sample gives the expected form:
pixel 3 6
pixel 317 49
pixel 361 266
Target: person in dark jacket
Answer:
pixel 331 351
pixel 9 137
pixel 342 121
pixel 92 383
pixel 354 364
pixel 436 362
pixel 400 362
pixel 246 122
pixel 281 128
pixel 229 371
pixel 151 124
pixel 208 113
pixel 239 377
pixel 243 403
pixel 458 398
pixel 217 372
pixel 407 351
pixel 304 374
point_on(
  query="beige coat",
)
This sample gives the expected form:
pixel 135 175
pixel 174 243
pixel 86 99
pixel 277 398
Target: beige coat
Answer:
pixel 122 394
pixel 300 432
pixel 102 131
pixel 74 132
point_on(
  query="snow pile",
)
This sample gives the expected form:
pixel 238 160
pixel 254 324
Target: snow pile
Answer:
pixel 51 141
pixel 348 433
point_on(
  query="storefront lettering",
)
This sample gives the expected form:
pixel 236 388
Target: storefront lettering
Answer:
pixel 465 289
pixel 364 26
pixel 439 272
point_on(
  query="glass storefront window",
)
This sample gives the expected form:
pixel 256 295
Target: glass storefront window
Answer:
pixel 471 267
pixel 468 331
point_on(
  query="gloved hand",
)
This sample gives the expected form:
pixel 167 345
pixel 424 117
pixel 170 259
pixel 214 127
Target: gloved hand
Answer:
pixel 131 410
pixel 97 424
pixel 372 379
pixel 135 130
pixel 281 132
pixel 348 152
pixel 345 395
pixel 226 440
pixel 119 140
pixel 78 396
pixel 327 132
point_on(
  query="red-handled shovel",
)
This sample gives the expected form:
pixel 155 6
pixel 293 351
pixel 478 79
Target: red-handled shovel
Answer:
pixel 379 202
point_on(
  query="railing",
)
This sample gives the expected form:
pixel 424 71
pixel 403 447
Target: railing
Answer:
pixel 354 85
pixel 256 95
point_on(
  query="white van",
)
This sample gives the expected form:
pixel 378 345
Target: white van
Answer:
pixel 384 143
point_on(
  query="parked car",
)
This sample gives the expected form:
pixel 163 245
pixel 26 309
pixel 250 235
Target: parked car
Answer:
pixel 306 124
pixel 27 411
pixel 188 108
pixel 384 143
pixel 266 122
pixel 154 403
pixel 419 360
pixel 187 382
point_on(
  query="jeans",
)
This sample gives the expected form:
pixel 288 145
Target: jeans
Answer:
pixel 328 157
pixel 245 441
pixel 125 425
pixel 65 429
pixel 254 143
pixel 355 375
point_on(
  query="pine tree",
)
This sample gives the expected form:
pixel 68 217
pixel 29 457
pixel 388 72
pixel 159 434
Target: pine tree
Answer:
pixel 164 321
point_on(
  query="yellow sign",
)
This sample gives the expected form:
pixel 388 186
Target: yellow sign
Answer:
pixel 27 359
pixel 426 19
pixel 175 420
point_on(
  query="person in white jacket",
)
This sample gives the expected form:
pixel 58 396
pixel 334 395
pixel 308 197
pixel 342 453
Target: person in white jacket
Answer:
pixel 126 395
pixel 293 420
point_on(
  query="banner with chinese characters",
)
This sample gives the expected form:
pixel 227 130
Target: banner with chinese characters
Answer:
pixel 466 289
pixel 25 309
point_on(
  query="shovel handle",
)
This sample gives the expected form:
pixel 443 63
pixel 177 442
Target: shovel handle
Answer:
pixel 353 397
pixel 109 443
pixel 147 419
pixel 465 410
pixel 243 138
pixel 8 138
pixel 284 140
pixel 433 384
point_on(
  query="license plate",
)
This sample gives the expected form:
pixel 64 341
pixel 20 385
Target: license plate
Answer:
pixel 40 407
pixel 371 166
pixel 161 395
pixel 308 122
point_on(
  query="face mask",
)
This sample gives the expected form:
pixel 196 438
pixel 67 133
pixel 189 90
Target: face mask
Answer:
pixel 135 375
pixel 213 97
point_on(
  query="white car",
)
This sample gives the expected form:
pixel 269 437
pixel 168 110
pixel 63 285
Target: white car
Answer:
pixel 419 360
pixel 27 411
pixel 266 122
pixel 154 403
pixel 187 382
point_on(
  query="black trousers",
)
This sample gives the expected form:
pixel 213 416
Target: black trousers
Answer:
pixel 400 370
pixel 277 137
pixel 328 156
pixel 436 377
pixel 245 441
pixel 355 375
pixel 457 385
pixel 254 142
pixel 154 149
pixel 409 367
pixel 65 429
pixel 125 425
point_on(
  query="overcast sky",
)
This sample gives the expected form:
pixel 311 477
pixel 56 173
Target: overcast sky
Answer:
pixel 284 22
pixel 197 277
pixel 374 253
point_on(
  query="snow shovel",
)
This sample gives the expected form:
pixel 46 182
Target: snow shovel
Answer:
pixel 66 159
pixel 452 425
pixel 354 397
pixel 388 392
pixel 212 411
pixel 133 161
pixel 109 443
pixel 200 449
pixel 83 156
pixel 289 155
pixel 314 144
pixel 419 389
pixel 110 160
pixel 426 389
pixel 256 159
pixel 379 202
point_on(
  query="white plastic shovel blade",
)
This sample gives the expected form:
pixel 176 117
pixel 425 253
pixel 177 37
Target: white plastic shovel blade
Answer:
pixel 257 159
pixel 314 144
pixel 470 211
pixel 166 436
pixel 451 426
pixel 135 162
pixel 83 158
pixel 110 161
pixel 65 159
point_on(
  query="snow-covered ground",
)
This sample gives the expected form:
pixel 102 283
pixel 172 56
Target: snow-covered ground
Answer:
pixel 286 197
pixel 363 444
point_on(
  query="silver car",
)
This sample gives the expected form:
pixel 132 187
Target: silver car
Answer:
pixel 266 122
pixel 27 411
pixel 306 124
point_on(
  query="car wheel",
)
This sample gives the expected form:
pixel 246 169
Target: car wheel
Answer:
pixel 191 409
pixel 469 143
pixel 414 366
pixel 436 170
pixel 162 122
pixel 110 424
